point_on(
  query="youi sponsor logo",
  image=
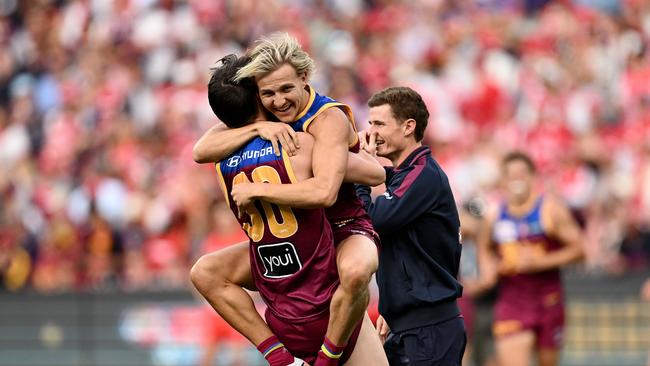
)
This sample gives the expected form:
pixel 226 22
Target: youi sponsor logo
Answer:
pixel 279 260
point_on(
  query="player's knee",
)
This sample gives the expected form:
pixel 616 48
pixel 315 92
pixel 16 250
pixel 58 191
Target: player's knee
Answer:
pixel 355 276
pixel 198 274
pixel 205 273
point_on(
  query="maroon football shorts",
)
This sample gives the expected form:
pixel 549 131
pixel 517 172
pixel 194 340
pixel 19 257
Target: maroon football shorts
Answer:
pixel 544 318
pixel 304 337
pixel 354 226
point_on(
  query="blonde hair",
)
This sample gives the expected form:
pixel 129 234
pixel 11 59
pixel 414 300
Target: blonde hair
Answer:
pixel 272 52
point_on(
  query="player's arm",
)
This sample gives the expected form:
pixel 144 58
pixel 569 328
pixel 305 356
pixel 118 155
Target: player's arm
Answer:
pixel 565 230
pixel 329 161
pixel 364 169
pixel 220 141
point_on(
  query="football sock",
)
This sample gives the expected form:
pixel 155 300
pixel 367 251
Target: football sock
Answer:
pixel 329 354
pixel 275 352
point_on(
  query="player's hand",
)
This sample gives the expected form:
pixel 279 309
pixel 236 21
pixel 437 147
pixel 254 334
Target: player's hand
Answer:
pixel 243 194
pixel 368 142
pixel 526 261
pixel 382 329
pixel 279 133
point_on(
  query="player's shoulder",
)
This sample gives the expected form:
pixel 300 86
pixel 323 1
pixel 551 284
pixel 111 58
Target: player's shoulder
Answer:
pixel 254 144
pixel 332 123
pixel 553 202
pixel 306 141
pixel 554 209
pixel 334 113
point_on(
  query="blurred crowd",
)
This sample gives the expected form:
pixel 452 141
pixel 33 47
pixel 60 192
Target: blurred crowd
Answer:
pixel 101 102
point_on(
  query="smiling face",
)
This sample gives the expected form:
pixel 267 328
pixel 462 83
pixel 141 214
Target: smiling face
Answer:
pixel 518 181
pixel 393 136
pixel 283 92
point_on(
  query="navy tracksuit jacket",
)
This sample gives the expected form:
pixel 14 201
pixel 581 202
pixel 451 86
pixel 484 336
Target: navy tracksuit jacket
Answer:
pixel 418 224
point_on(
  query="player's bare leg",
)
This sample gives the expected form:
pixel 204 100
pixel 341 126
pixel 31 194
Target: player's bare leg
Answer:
pixel 357 261
pixel 219 277
pixel 515 349
pixel 368 350
pixel 548 357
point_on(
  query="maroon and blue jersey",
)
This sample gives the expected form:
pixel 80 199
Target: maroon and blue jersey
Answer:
pixel 511 234
pixel 527 301
pixel 348 207
pixel 293 259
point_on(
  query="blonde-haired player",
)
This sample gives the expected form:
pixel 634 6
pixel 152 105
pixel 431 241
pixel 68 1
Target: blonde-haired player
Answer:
pixel 281 70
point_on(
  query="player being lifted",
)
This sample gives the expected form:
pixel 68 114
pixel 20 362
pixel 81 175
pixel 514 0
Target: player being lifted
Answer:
pixel 218 276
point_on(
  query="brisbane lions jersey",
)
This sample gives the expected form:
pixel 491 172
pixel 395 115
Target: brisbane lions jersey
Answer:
pixel 532 301
pixel 511 234
pixel 347 207
pixel 293 259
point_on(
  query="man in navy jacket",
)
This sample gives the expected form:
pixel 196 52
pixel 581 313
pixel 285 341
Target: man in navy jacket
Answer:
pixel 418 224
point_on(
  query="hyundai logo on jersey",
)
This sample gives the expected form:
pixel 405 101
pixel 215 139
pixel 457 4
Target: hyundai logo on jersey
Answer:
pixel 257 152
pixel 254 154
pixel 234 161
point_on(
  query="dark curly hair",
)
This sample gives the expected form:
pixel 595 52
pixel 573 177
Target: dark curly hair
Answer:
pixel 233 102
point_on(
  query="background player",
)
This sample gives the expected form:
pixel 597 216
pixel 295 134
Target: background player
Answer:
pixel 532 235
pixel 303 291
pixel 282 69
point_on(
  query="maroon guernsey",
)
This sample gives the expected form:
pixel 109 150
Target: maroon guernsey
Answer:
pixel 347 216
pixel 528 301
pixel 293 259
